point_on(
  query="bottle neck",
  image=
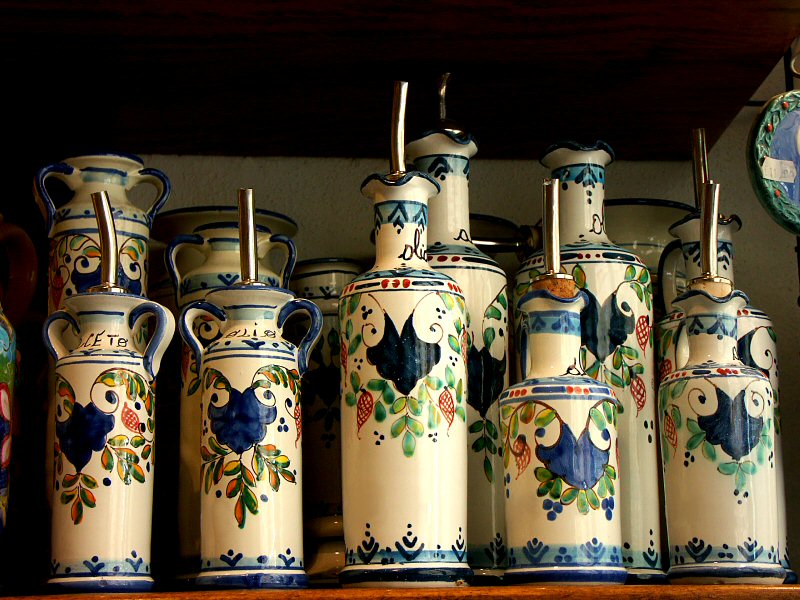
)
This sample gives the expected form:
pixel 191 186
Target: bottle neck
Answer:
pixel 449 210
pixel 554 342
pixel 711 336
pixel 401 234
pixel 582 192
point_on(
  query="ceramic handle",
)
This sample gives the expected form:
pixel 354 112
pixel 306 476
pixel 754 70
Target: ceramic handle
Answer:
pixel 311 336
pixel 23 267
pixel 670 261
pixel 189 315
pixel 179 243
pixel 163 187
pixel 284 243
pixel 162 336
pixel 52 335
pixel 47 207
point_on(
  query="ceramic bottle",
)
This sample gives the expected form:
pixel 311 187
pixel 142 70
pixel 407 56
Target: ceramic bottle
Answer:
pixel 404 386
pixel 199 263
pixel 321 281
pixel 72 228
pixel 8 382
pixel 617 344
pixel 250 447
pixel 445 154
pixel 559 439
pixel 718 425
pixel 104 429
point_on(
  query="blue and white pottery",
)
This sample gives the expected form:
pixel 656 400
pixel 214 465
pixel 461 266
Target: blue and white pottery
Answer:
pixel 72 228
pixel 445 156
pixel 104 439
pixel 617 339
pixel 321 281
pixel 559 439
pixel 756 344
pixel 718 425
pixel 251 513
pixel 404 386
pixel 197 263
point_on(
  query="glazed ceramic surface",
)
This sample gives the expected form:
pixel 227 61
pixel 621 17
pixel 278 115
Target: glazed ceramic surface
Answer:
pixel 445 156
pixel 321 281
pixel 756 338
pixel 404 411
pixel 104 439
pixel 616 336
pixel 72 228
pixel 559 440
pixel 206 260
pixel 251 518
pixel 8 379
pixel 773 159
pixel 718 439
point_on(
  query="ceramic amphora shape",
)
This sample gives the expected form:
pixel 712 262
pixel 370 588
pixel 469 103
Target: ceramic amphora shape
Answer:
pixel 617 341
pixel 206 260
pixel 757 340
pixel 559 440
pixel 104 433
pixel 321 281
pixel 72 228
pixel 251 518
pixel 718 429
pixel 445 156
pixel 404 386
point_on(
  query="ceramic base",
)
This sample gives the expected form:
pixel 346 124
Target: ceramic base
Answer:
pixel 431 575
pixel 727 573
pixel 252 579
pixel 791 577
pixel 646 577
pixel 102 584
pixel 565 576
pixel 485 576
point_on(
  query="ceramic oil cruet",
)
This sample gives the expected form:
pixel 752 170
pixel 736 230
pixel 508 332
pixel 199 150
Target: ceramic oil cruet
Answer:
pixel 251 521
pixel 104 428
pixel 322 280
pixel 559 438
pixel 197 263
pixel 74 243
pixel 444 154
pixel 718 424
pixel 404 383
pixel 617 343
pixel 756 340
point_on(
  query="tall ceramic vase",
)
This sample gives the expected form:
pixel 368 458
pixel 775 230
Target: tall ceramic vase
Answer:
pixel 251 519
pixel 321 281
pixel 445 156
pixel 404 385
pixel 104 431
pixel 199 263
pixel 718 425
pixel 559 439
pixel 616 336
pixel 756 342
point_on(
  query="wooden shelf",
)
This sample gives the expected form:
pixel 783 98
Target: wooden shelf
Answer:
pixel 582 592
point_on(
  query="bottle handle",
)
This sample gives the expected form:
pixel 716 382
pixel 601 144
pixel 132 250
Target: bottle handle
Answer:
pixel 668 264
pixel 311 336
pixel 23 268
pixel 53 336
pixel 179 243
pixel 163 187
pixel 187 319
pixel 159 341
pixel 47 207
pixel 284 243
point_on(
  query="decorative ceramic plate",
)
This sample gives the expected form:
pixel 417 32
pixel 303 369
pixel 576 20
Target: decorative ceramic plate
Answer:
pixel 773 159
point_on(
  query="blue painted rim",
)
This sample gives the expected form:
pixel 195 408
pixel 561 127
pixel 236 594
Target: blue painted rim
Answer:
pixel 97 584
pixel 535 294
pixel 791 577
pixel 411 575
pixel 566 575
pixel 721 570
pixel 578 147
pixel 718 300
pixel 464 139
pixel 222 208
pixel 409 175
pixel 252 581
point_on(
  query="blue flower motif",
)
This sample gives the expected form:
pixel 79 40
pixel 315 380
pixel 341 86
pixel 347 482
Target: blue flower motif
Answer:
pixel 242 422
pixel 84 432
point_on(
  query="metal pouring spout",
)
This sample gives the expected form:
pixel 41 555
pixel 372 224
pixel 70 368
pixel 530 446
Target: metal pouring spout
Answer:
pixel 109 257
